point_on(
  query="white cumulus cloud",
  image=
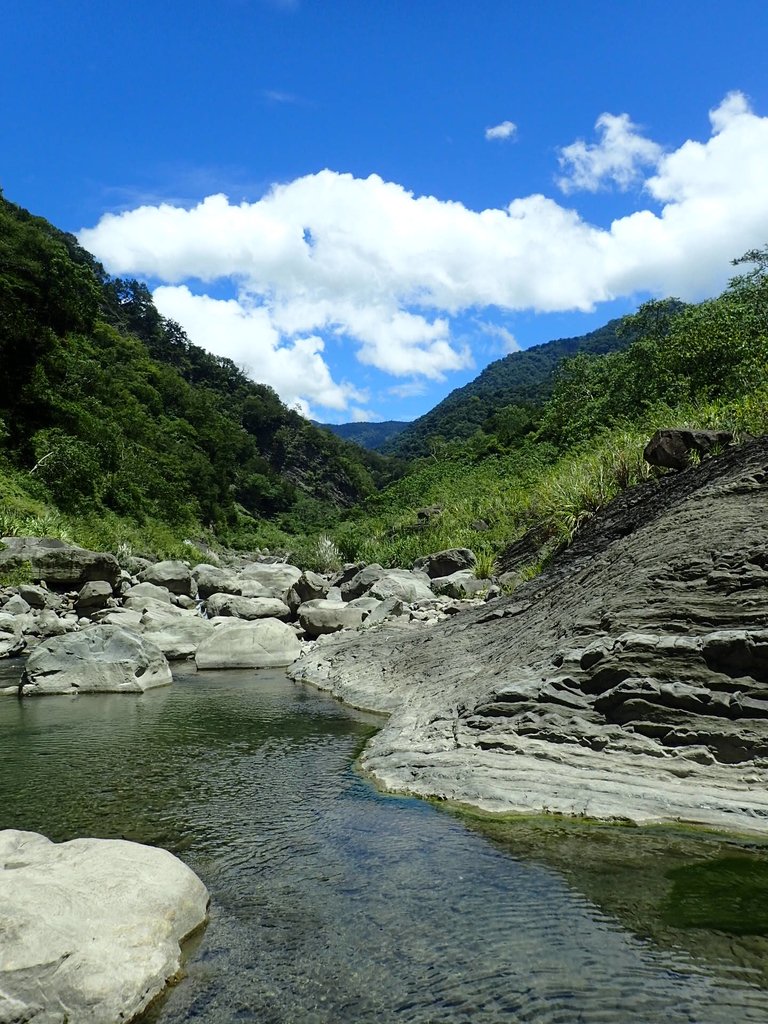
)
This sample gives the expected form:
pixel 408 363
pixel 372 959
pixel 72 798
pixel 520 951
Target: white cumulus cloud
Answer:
pixel 505 130
pixel 366 263
pixel 618 157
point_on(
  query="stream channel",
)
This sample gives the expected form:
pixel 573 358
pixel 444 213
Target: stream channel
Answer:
pixel 334 903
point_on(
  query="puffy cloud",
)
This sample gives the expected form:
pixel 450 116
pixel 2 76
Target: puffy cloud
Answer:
pixel 244 333
pixel 366 261
pixel 505 130
pixel 618 157
pixel 505 339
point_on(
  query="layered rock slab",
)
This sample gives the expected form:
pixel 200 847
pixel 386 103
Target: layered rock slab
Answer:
pixel 91 929
pixel 628 681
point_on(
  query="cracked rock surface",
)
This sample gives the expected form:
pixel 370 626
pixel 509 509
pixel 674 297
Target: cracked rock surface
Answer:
pixel 630 680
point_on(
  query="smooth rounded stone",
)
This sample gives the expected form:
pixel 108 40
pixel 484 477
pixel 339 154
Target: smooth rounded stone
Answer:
pixel 9 623
pixel 129 618
pixel 142 591
pixel 308 587
pixel 36 597
pixel 47 623
pixel 173 575
pixel 247 607
pixel 16 606
pixel 401 583
pixel 277 577
pixel 11 646
pixel 365 604
pixel 319 617
pixel 181 638
pixel 100 659
pixel 445 563
pixel 212 579
pixel 263 643
pixel 362 581
pixel 92 928
pixel 460 585
pixel 182 601
pixel 93 596
pixel 59 564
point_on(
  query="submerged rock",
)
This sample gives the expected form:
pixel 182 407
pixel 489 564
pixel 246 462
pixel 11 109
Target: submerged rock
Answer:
pixel 92 928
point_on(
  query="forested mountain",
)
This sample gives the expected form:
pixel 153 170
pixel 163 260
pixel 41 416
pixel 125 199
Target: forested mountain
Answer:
pixel 367 435
pixel 522 379
pixel 105 405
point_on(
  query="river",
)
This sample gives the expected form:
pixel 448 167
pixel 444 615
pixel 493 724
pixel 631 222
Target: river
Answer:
pixel 334 903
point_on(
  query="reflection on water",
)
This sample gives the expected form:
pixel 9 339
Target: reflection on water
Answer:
pixel 333 903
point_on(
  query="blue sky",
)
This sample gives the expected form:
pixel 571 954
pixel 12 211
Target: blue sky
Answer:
pixel 414 187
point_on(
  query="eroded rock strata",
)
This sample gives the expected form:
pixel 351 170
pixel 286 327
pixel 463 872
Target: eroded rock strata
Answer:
pixel 630 680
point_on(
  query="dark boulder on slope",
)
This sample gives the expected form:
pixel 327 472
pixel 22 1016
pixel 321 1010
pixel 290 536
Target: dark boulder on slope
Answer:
pixel 672 448
pixel 59 564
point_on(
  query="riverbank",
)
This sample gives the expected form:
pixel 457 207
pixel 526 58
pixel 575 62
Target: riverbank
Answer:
pixel 628 682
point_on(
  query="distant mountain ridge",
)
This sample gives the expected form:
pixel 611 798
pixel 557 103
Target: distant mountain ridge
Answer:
pixel 522 378
pixel 368 435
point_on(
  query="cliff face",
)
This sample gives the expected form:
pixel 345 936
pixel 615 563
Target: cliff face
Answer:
pixel 628 681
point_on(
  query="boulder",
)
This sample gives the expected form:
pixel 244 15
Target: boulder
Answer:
pixel 92 928
pixel 460 585
pixel 671 448
pixel 135 597
pixel 445 563
pixel 59 564
pixel 277 578
pixel 319 617
pixel 36 597
pixel 179 638
pixel 308 587
pixel 93 596
pixel 211 579
pixel 16 606
pixel 263 643
pixel 400 583
pixel 361 582
pixel 173 575
pixel 100 659
pixel 247 607
pixel 392 608
pixel 47 623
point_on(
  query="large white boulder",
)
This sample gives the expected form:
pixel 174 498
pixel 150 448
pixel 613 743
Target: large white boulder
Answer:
pixel 402 584
pixel 91 929
pixel 247 607
pixel 276 577
pixel 263 643
pixel 100 659
pixel 173 575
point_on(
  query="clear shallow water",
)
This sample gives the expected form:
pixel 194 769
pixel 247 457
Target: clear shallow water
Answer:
pixel 333 903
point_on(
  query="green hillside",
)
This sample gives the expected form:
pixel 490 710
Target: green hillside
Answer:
pixel 368 435
pixel 109 414
pixel 521 379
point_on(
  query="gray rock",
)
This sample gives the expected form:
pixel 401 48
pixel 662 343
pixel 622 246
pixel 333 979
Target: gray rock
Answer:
pixel 142 592
pixel 59 564
pixel 445 563
pixel 211 579
pixel 320 617
pixel 361 582
pixel 16 606
pixel 391 608
pixel 247 607
pixel 177 639
pixel 173 575
pixel 263 643
pixel 100 659
pixel 629 680
pixel 277 578
pixel 671 448
pixel 460 585
pixel 400 583
pixel 36 597
pixel 92 928
pixel 308 587
pixel 93 596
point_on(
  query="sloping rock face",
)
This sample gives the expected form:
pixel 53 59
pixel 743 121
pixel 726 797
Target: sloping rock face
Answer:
pixel 628 681
pixel 91 928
